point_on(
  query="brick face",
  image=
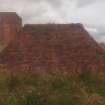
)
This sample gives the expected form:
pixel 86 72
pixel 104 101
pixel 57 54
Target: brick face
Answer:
pixel 66 47
pixel 10 25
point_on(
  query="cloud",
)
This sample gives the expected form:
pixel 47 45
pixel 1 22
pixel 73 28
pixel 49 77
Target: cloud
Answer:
pixel 88 12
pixel 81 3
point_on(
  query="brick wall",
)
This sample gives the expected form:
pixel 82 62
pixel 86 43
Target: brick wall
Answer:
pixel 10 25
pixel 66 47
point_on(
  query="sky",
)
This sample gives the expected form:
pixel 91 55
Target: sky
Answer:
pixel 88 12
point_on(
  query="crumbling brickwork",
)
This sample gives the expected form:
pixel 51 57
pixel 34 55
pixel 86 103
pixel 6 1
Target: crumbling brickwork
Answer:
pixel 66 47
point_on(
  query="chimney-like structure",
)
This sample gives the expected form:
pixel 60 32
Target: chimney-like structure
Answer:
pixel 10 25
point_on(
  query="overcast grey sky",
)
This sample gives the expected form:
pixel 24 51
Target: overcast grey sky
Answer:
pixel 91 13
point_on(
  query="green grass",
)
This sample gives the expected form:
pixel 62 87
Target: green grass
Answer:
pixel 51 89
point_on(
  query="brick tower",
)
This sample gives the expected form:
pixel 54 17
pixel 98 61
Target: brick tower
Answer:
pixel 10 25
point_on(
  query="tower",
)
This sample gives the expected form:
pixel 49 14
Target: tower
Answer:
pixel 10 25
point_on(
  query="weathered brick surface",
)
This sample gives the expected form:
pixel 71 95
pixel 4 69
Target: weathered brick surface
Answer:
pixel 48 47
pixel 10 25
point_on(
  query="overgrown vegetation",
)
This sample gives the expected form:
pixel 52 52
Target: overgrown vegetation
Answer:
pixel 51 89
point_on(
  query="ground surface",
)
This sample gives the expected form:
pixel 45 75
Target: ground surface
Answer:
pixel 51 89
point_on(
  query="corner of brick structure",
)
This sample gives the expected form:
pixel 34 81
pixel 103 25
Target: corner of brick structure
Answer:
pixel 10 25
